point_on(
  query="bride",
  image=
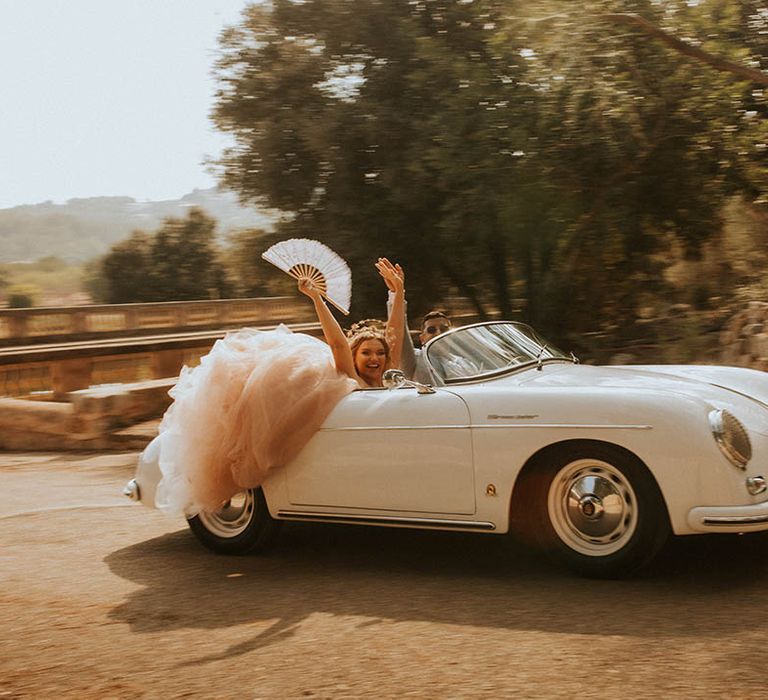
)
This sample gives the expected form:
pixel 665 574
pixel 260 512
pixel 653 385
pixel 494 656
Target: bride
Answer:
pixel 258 397
pixel 365 354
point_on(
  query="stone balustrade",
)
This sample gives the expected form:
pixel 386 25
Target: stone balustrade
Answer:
pixel 72 323
pixel 54 371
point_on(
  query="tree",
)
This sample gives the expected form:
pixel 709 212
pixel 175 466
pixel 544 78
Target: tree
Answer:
pixel 179 262
pixel 126 270
pixel 184 262
pixel 465 140
pixel 720 63
pixel 358 131
pixel 95 282
pixel 644 146
pixel 250 274
pixel 22 296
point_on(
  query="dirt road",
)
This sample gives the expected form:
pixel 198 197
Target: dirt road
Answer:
pixel 102 598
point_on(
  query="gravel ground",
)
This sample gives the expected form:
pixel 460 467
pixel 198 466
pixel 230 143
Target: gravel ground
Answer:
pixel 101 598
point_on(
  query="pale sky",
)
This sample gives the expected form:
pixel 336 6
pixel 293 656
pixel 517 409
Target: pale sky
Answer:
pixel 107 97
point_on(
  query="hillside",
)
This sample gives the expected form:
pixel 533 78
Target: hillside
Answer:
pixel 84 228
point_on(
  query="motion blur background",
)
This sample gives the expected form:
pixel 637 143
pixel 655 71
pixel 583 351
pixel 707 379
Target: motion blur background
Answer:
pixel 597 169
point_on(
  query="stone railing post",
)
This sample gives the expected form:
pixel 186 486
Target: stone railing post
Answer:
pixel 79 322
pixel 17 324
pixel 130 317
pixel 70 375
pixel 167 363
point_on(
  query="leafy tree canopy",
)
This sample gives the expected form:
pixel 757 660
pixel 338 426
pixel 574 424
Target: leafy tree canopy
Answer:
pixel 540 157
pixel 177 263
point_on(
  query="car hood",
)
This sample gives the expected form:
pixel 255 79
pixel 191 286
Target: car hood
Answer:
pixel 744 392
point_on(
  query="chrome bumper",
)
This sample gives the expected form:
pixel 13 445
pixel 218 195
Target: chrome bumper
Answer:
pixel 748 518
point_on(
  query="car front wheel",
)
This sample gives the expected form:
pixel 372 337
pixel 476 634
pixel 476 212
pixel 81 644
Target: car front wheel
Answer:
pixel 242 525
pixel 596 509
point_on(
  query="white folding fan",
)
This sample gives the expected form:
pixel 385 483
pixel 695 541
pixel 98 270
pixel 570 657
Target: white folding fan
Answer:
pixel 302 257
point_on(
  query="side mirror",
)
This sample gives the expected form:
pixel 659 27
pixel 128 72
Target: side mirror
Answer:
pixel 393 378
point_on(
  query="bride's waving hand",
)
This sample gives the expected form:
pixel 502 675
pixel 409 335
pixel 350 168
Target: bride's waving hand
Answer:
pixel 394 277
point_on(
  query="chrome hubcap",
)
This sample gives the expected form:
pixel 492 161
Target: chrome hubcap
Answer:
pixel 592 507
pixel 234 516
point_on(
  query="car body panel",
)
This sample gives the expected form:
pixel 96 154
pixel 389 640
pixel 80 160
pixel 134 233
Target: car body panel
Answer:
pixel 389 450
pixel 668 433
pixel 744 392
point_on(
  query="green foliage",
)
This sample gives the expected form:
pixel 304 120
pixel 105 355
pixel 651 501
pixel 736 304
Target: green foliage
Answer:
pixel 93 281
pixel 126 271
pixel 250 274
pixel 647 144
pixel 22 296
pixel 182 260
pixel 540 146
pixel 55 281
pixel 177 263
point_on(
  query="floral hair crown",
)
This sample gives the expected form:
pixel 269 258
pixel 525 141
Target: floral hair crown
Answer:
pixel 367 324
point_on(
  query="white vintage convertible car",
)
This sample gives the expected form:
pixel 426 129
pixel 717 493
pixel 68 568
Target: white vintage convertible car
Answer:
pixel 595 465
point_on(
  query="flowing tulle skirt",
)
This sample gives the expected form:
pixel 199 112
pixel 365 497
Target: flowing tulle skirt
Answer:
pixel 251 405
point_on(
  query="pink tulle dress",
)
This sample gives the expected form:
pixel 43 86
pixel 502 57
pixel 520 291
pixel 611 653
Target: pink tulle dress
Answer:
pixel 250 406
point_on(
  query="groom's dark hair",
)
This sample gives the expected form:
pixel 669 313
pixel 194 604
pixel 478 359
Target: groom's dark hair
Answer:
pixel 435 313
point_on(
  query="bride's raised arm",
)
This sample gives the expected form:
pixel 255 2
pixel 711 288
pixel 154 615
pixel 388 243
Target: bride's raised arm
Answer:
pixel 334 336
pixel 395 278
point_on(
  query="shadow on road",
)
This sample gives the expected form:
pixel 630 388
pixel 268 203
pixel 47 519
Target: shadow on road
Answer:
pixel 700 586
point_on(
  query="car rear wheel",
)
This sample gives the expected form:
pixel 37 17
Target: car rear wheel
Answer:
pixel 242 525
pixel 596 509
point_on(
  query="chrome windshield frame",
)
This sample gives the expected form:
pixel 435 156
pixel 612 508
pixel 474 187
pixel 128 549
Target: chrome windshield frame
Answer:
pixel 499 372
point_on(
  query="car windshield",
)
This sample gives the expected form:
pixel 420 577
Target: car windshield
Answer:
pixel 486 349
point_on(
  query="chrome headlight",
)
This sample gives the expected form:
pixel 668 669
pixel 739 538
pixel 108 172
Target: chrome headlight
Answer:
pixel 731 437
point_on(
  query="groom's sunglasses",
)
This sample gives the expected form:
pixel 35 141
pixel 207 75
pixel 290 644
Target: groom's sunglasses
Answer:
pixel 437 329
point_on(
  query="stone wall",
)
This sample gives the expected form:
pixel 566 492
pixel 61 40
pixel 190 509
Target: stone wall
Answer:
pixel 88 420
pixel 744 340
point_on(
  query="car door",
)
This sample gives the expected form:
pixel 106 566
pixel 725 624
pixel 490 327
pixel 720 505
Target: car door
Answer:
pixel 389 451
